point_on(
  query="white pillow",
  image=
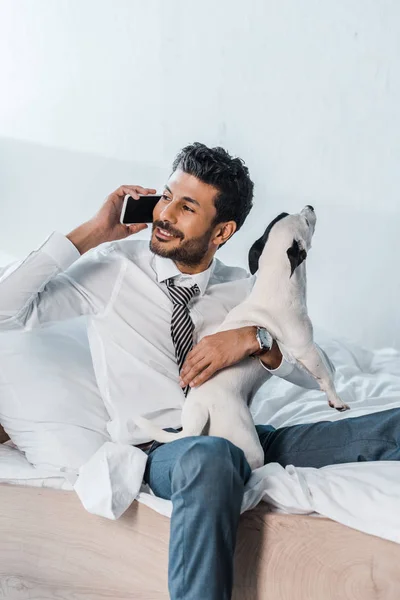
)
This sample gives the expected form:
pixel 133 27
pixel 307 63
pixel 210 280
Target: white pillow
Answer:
pixel 50 404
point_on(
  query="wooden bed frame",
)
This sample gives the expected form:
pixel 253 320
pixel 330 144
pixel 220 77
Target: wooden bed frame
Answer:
pixel 51 548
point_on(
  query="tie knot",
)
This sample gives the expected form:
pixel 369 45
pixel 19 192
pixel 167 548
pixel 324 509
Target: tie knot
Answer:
pixel 182 295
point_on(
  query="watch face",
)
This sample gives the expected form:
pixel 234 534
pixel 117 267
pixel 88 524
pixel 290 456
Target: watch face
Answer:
pixel 265 338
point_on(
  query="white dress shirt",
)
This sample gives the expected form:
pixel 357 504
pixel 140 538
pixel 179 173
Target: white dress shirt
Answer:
pixel 121 288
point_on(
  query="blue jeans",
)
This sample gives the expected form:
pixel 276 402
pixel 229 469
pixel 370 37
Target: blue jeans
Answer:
pixel 205 478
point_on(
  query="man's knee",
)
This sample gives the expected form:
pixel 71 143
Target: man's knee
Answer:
pixel 211 460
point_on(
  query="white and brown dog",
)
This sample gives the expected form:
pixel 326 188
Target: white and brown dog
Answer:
pixel 220 406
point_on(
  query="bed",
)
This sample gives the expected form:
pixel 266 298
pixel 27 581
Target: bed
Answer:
pixel 340 542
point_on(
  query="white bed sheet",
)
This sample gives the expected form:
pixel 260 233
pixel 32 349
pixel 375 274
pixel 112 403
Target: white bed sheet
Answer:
pixel 369 381
pixel 365 496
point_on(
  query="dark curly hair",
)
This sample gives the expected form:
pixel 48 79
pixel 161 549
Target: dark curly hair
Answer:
pixel 228 175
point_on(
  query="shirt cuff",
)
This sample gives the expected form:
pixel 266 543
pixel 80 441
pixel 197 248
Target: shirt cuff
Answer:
pixel 60 249
pixel 284 369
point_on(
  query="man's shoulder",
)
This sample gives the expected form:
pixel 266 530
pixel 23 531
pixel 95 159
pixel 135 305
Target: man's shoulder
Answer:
pixel 113 255
pixel 223 273
pixel 230 284
pixel 131 249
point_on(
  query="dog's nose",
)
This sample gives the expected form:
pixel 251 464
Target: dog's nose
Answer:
pixel 310 207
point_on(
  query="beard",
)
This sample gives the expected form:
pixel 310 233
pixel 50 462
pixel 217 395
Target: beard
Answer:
pixel 190 252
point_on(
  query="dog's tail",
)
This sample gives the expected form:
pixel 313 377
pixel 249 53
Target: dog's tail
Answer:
pixel 194 423
pixel 156 433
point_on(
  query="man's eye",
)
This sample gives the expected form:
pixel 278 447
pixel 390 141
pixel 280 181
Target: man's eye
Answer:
pixel 164 197
pixel 188 208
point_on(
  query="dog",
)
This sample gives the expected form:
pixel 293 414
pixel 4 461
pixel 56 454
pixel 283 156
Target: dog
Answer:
pixel 221 405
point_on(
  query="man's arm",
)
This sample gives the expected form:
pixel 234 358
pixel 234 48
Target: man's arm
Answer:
pixel 293 372
pixel 226 348
pixel 223 349
pixel 55 282
pixel 25 283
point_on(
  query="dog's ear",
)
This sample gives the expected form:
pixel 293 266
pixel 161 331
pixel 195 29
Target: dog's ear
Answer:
pixel 258 246
pixel 296 255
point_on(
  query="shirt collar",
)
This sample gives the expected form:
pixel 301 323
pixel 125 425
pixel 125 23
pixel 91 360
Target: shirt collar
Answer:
pixel 165 268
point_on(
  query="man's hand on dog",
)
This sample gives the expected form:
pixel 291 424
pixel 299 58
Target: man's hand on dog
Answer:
pixel 224 349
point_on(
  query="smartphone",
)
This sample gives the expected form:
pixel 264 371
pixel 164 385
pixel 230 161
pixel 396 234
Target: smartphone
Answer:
pixel 138 211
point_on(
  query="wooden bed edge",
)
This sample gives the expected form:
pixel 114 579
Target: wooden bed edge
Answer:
pixel 278 555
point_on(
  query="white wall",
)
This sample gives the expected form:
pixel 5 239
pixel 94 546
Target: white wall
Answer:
pixel 94 94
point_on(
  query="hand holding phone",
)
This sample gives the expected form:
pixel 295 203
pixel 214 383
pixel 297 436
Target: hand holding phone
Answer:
pixel 106 225
pixel 138 211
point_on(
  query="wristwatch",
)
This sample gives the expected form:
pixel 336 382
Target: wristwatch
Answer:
pixel 264 339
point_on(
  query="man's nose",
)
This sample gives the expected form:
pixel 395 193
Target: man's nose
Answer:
pixel 169 213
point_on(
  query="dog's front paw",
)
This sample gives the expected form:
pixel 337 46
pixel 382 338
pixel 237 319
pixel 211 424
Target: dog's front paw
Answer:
pixel 339 405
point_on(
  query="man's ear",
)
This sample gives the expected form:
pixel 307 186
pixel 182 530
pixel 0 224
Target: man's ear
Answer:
pixel 224 232
pixel 258 246
pixel 296 255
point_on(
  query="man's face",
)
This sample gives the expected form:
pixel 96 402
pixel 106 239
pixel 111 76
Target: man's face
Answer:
pixel 182 220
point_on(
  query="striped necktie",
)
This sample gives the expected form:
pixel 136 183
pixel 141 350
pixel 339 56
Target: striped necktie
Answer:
pixel 181 323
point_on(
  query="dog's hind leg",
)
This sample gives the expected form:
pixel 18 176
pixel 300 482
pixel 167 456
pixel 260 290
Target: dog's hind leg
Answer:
pixel 238 427
pixel 195 418
pixel 313 362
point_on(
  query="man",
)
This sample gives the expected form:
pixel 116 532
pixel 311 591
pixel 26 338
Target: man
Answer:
pixel 125 288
